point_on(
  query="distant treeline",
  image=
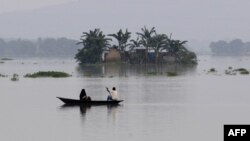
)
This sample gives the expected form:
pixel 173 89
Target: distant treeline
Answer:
pixel 234 47
pixel 48 47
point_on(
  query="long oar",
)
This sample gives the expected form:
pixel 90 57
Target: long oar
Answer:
pixel 108 90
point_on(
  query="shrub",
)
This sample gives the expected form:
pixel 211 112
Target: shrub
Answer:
pixel 244 72
pixel 54 74
pixel 240 69
pixel 172 73
pixel 212 70
pixel 6 59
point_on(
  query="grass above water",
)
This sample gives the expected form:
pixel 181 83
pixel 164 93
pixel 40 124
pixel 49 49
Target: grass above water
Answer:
pixel 6 59
pixel 242 71
pixel 1 75
pixel 168 73
pixel 212 70
pixel 54 74
pixel 172 73
pixel 152 73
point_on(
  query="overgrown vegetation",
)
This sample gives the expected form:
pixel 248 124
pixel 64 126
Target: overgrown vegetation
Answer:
pixel 212 70
pixel 54 74
pixel 94 42
pixel 153 47
pixel 172 73
pixel 231 71
pixel 152 73
pixel 1 75
pixel 242 71
pixel 6 59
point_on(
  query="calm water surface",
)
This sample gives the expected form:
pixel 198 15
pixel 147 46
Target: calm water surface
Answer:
pixel 192 106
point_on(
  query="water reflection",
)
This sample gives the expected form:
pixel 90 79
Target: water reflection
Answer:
pixel 125 70
pixel 84 109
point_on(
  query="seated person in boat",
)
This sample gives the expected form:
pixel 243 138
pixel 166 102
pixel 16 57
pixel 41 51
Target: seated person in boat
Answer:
pixel 113 94
pixel 83 96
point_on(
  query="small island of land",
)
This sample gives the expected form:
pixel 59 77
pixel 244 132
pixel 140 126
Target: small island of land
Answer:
pixel 149 47
pixel 54 74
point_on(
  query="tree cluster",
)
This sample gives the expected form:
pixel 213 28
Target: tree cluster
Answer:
pixel 49 47
pixel 95 42
pixel 234 47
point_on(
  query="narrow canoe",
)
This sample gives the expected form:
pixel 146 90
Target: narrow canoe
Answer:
pixel 92 102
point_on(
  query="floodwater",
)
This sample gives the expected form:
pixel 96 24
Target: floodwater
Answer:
pixel 191 106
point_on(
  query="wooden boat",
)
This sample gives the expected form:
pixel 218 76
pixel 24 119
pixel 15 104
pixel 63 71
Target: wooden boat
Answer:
pixel 92 102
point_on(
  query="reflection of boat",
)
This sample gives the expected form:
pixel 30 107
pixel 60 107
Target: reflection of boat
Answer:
pixel 85 108
pixel 92 102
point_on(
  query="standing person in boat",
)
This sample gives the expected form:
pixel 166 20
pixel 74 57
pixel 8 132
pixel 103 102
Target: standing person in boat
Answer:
pixel 113 95
pixel 83 96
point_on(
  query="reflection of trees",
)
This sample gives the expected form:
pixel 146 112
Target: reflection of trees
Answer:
pixel 90 70
pixel 124 70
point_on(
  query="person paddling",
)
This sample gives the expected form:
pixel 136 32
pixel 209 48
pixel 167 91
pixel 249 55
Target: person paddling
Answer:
pixel 113 95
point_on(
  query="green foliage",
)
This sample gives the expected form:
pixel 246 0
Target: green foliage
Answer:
pixel 159 42
pixel 188 57
pixel 172 73
pixel 152 73
pixel 145 37
pixel 244 72
pixel 54 74
pixel 240 69
pixel 212 70
pixel 182 55
pixel 6 59
pixel 122 39
pixel 1 75
pixel 230 72
pixel 94 42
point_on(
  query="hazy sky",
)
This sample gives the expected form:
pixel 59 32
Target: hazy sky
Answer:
pixel 17 5
pixel 186 19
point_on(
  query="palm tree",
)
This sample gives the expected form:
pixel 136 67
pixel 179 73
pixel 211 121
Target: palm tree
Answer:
pixel 159 42
pixel 176 48
pixel 134 44
pixel 146 38
pixel 94 42
pixel 122 39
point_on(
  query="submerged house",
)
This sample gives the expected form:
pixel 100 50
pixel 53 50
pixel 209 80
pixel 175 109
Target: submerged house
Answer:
pixel 112 55
pixel 137 56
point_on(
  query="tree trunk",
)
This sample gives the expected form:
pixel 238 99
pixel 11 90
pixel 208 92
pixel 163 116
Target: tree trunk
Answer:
pixel 146 55
pixel 156 56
